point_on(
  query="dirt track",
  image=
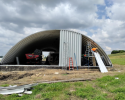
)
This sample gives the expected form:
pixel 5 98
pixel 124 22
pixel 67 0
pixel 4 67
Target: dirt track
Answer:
pixel 39 75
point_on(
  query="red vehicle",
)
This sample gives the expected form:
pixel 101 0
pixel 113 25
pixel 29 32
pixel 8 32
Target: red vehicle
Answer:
pixel 32 59
pixel 31 56
pixel 35 57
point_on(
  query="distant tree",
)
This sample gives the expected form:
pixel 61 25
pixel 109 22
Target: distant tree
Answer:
pixel 117 51
pixel 121 51
pixel 1 56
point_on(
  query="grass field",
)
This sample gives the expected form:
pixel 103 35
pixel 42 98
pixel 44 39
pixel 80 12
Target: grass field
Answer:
pixel 118 58
pixel 105 88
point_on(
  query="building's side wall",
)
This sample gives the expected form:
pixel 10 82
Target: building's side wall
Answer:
pixel 70 43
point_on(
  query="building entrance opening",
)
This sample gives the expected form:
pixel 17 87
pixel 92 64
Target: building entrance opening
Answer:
pixel 50 58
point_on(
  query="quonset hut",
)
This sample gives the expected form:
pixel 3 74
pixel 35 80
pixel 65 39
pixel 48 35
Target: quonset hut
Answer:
pixel 65 43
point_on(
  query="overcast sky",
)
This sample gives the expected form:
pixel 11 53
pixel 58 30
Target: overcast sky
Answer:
pixel 101 20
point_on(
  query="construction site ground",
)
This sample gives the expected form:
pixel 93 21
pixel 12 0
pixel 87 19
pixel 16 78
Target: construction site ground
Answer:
pixel 43 75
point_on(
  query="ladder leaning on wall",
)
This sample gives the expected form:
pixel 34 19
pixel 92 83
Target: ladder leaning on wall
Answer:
pixel 71 63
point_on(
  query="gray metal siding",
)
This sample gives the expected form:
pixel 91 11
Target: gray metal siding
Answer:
pixel 73 42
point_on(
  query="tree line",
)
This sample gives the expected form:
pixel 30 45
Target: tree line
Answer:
pixel 117 51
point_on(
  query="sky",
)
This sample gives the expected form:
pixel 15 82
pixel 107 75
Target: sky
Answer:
pixel 101 20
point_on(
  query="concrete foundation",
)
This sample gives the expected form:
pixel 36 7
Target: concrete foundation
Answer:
pixel 33 67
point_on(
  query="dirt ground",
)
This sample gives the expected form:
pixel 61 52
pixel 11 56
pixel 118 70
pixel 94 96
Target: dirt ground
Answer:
pixel 41 75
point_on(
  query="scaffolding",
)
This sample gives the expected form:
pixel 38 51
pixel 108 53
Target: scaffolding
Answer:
pixel 88 54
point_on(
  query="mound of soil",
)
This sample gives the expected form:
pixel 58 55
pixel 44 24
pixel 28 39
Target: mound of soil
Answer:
pixel 14 76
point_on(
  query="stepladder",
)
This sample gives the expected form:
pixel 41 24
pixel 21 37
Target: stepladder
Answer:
pixel 71 67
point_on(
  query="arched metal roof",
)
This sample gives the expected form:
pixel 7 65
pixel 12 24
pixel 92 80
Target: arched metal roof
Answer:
pixel 44 40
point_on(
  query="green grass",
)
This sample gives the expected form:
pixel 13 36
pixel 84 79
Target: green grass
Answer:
pixel 118 58
pixel 4 85
pixel 105 88
pixel 64 74
pixel 87 92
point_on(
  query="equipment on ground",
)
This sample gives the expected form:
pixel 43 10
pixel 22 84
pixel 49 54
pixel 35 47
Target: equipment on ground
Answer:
pixel 34 58
pixel 53 58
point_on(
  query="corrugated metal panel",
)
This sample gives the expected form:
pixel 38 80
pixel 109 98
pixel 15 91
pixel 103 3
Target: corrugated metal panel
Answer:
pixel 102 67
pixel 16 89
pixel 70 43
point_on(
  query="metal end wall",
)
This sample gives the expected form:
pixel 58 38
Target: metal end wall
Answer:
pixel 70 44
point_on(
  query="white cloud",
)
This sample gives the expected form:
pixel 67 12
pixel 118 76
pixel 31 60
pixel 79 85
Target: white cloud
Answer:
pixel 31 30
pixel 110 34
pixel 13 25
pixel 79 31
pixel 116 11
pixel 8 38
pixel 108 48
pixel 104 33
pixel 110 31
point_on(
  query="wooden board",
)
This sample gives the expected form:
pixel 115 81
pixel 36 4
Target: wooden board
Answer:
pixel 93 60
